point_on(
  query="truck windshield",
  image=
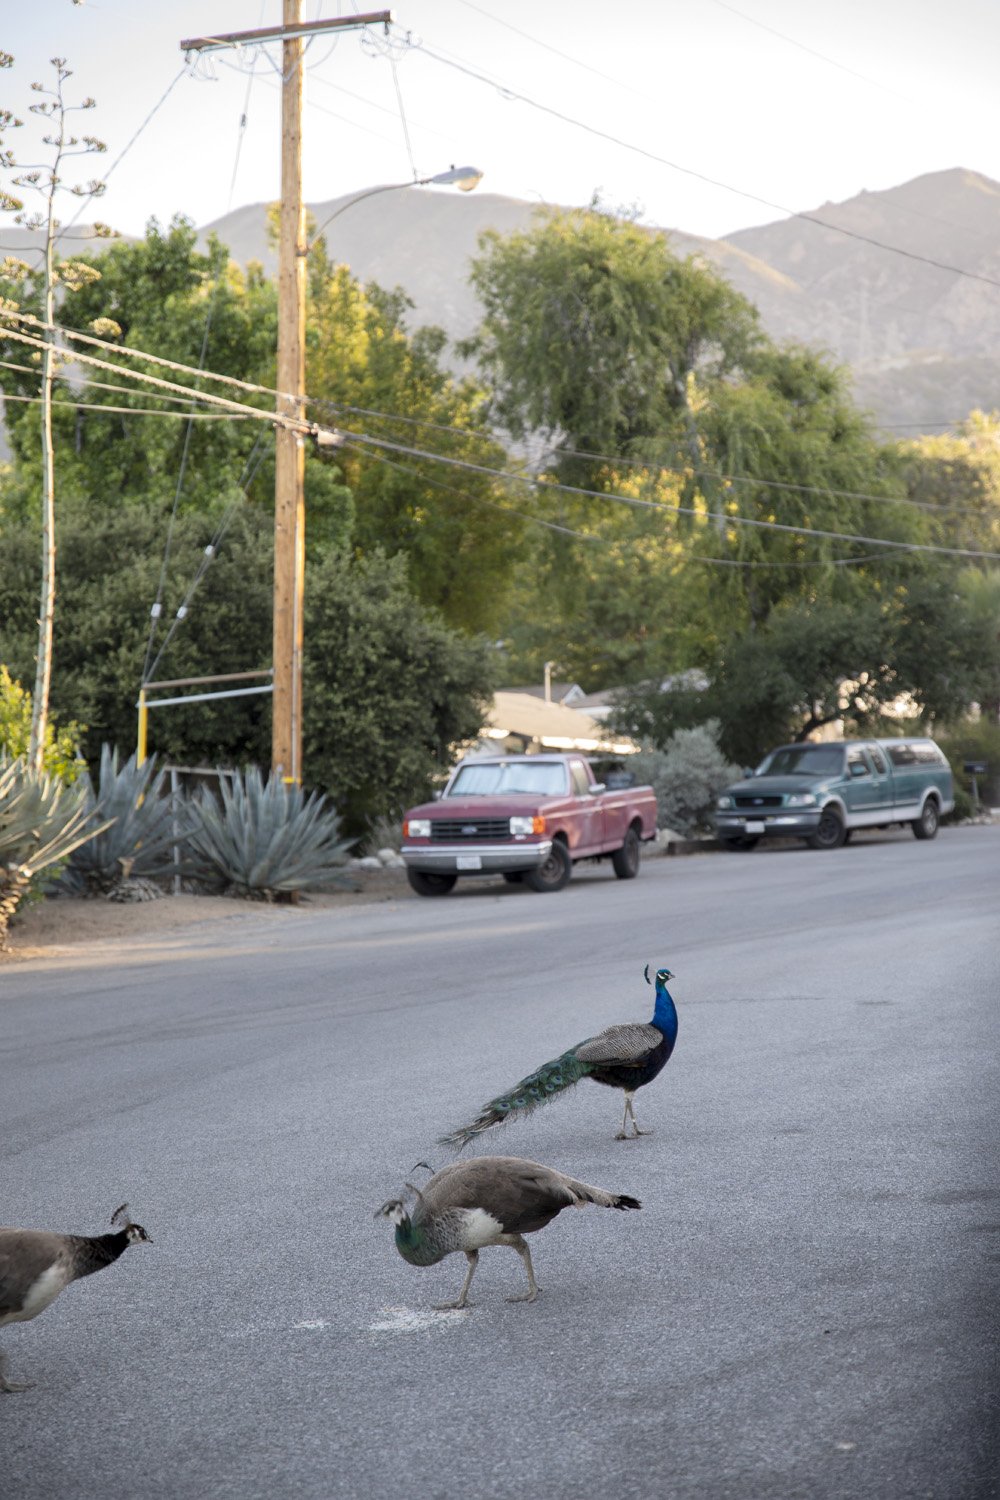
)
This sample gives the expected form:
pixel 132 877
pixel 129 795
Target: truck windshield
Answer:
pixel 546 777
pixel 803 760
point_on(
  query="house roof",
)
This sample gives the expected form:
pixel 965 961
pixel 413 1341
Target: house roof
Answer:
pixel 558 691
pixel 551 724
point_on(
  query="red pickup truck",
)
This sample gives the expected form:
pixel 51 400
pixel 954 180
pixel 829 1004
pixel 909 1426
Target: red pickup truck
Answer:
pixel 527 818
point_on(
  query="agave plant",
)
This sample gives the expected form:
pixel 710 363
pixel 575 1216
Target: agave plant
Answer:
pixel 262 838
pixel 42 821
pixel 139 843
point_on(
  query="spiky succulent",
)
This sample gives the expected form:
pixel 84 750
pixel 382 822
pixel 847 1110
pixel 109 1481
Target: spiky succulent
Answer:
pixel 141 840
pixel 42 821
pixel 259 838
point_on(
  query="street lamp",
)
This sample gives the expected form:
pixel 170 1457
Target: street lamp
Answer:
pixel 464 178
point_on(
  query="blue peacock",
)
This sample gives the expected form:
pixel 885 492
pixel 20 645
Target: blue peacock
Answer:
pixel 623 1057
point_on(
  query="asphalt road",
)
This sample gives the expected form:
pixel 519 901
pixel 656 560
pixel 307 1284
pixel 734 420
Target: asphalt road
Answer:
pixel 805 1307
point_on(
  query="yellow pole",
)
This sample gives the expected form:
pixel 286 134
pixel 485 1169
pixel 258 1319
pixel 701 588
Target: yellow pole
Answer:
pixel 140 748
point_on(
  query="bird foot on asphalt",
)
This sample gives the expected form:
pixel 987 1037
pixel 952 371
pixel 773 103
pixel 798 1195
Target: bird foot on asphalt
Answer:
pixel 524 1296
pixel 16 1385
pixel 450 1306
pixel 624 1135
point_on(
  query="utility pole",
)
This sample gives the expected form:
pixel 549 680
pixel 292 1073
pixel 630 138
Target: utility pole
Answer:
pixel 289 452
pixel 289 501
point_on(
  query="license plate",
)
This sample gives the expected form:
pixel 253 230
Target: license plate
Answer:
pixel 753 827
pixel 468 862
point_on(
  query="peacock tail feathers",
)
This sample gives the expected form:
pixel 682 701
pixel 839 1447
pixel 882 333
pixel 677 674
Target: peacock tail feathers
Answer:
pixel 538 1088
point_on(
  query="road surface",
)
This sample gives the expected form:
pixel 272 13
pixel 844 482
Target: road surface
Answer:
pixel 805 1307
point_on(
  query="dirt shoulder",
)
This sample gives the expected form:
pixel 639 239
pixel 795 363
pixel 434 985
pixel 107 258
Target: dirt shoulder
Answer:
pixel 61 925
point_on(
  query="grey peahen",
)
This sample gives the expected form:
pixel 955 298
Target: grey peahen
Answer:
pixel 490 1200
pixel 623 1057
pixel 36 1265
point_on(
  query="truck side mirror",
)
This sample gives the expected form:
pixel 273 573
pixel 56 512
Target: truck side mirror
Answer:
pixel 597 786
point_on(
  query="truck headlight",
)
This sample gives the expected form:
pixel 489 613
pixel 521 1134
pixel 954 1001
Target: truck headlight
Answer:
pixel 800 799
pixel 522 824
pixel 417 828
pixel 723 802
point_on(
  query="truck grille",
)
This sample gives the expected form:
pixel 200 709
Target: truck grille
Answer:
pixel 454 830
pixel 758 801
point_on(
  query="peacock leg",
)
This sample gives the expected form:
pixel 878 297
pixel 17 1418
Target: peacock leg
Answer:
pixel 520 1244
pixel 12 1385
pixel 472 1256
pixel 630 1114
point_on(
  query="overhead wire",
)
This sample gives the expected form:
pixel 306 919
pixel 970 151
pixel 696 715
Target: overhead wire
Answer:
pixel 643 151
pixel 273 417
pixel 156 608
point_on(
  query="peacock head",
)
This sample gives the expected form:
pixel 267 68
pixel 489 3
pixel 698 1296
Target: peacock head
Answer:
pixel 662 975
pixel 135 1233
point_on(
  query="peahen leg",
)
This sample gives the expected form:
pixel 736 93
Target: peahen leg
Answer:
pixel 472 1256
pixel 520 1244
pixel 12 1385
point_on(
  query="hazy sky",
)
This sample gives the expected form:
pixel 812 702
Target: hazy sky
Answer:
pixel 797 102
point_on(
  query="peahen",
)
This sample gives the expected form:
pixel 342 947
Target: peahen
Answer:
pixel 623 1057
pixel 36 1265
pixel 489 1200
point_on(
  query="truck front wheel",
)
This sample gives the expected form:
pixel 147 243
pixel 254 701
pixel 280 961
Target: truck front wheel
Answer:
pixel 625 861
pixel 426 883
pixel 555 872
pixel 926 826
pixel 830 831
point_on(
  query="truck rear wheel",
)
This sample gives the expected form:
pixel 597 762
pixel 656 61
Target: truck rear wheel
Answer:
pixel 555 872
pixel 926 826
pixel 625 861
pixel 426 883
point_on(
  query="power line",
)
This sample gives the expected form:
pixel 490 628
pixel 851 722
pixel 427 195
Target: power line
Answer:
pixel 506 476
pixel 616 460
pixel 132 411
pixel 543 485
pixel 663 161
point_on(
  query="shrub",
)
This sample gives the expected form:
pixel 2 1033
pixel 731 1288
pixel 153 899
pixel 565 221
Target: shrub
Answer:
pixel 139 842
pixel 975 739
pixel 41 822
pixel 687 776
pixel 61 755
pixel 261 839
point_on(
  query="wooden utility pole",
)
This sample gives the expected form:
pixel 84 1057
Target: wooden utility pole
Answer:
pixel 289 453
pixel 289 502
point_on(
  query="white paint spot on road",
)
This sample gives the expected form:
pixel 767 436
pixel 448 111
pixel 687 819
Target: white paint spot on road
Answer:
pixel 408 1320
pixel 312 1323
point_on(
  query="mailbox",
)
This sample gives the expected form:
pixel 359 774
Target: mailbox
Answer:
pixel 976 767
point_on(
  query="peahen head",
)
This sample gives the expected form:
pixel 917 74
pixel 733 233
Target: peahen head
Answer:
pixel 135 1233
pixel 393 1209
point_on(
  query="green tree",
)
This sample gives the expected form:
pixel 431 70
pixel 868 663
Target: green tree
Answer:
pixel 813 665
pixel 592 329
pixel 459 530
pixel 389 689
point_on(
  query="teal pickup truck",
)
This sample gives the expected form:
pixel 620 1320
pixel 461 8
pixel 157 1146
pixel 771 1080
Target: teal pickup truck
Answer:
pixel 823 792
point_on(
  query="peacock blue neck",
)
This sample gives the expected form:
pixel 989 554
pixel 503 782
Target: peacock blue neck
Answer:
pixel 665 1012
